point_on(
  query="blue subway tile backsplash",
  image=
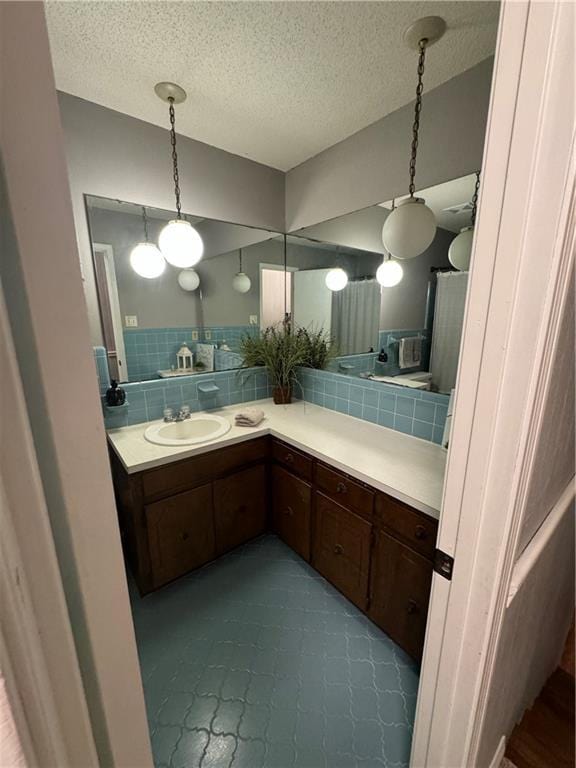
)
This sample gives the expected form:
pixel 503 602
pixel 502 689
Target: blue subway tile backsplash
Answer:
pixel 414 412
pixel 149 350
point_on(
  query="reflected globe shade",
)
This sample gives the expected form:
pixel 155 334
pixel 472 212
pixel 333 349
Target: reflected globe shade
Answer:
pixel 389 273
pixel 147 261
pixel 188 279
pixel 336 279
pixel 241 282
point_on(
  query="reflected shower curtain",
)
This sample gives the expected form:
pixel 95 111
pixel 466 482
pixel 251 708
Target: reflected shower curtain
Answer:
pixel 447 330
pixel 356 316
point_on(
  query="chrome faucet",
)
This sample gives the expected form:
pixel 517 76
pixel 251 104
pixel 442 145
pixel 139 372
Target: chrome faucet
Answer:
pixel 182 415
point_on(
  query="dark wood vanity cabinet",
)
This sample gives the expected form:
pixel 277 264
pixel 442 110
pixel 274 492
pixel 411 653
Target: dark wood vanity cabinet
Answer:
pixel 401 572
pixel 180 534
pixel 240 508
pixel 377 551
pixel 342 549
pixel 292 510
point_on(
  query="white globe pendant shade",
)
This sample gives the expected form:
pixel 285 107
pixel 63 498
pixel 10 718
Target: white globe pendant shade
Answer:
pixel 460 249
pixel 389 273
pixel 180 244
pixel 188 279
pixel 147 261
pixel 409 229
pixel 241 282
pixel 336 279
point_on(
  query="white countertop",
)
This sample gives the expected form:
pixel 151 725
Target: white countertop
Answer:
pixel 405 467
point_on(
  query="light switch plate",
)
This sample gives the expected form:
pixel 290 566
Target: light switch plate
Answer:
pixel 207 335
pixel 253 319
pixel 194 335
pixel 131 321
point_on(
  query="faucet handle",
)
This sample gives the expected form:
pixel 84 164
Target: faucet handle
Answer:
pixel 185 411
pixel 168 414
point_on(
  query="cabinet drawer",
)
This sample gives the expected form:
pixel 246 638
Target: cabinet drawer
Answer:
pixel 172 478
pixel 413 528
pixel 342 549
pixel 345 491
pixel 239 507
pixel 180 534
pixel 291 510
pixel 400 591
pixel 294 460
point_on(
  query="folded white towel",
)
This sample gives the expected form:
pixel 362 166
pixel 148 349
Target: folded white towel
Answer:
pixel 249 417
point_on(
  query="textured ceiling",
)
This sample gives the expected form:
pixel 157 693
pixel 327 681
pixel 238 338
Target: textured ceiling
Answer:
pixel 277 82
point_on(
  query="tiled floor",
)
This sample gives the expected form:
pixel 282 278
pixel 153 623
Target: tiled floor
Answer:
pixel 256 661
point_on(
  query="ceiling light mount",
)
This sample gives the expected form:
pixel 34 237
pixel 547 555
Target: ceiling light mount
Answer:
pixel 428 30
pixel 170 92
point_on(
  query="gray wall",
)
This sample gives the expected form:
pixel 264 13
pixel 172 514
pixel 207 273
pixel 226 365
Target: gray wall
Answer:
pixel 113 155
pixel 372 165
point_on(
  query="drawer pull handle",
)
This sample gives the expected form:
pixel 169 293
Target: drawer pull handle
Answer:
pixel 338 549
pixel 341 488
pixel 413 607
pixel 420 532
pixel 289 511
pixel 289 458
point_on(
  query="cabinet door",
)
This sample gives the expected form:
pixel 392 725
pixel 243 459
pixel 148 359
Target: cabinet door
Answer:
pixel 239 507
pixel 180 533
pixel 400 592
pixel 291 510
pixel 342 549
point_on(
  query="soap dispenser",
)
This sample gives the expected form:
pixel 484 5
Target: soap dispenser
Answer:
pixel 115 395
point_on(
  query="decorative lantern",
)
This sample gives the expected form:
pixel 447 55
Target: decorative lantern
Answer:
pixel 184 358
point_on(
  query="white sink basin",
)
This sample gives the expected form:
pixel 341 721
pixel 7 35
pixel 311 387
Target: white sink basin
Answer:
pixel 197 429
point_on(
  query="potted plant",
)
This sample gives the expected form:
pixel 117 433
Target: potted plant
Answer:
pixel 320 347
pixel 282 352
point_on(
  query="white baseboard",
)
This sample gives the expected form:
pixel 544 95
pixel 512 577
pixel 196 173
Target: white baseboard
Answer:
pixel 499 754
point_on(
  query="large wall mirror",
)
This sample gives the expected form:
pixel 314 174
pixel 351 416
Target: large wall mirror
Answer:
pixel 407 334
pixel 237 288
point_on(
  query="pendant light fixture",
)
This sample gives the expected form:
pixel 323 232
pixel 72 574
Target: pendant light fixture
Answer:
pixel 180 243
pixel 188 279
pixel 145 258
pixel 460 249
pixel 389 273
pixel 337 278
pixel 241 281
pixel 410 229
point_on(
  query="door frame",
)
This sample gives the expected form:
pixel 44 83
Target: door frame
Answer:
pixel 116 356
pixel 520 277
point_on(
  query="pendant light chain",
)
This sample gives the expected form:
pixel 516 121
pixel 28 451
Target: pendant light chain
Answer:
pixel 145 221
pixel 240 258
pixel 475 198
pixel 174 157
pixel 417 110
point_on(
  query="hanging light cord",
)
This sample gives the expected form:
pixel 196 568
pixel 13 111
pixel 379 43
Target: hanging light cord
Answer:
pixel 174 156
pixel 417 109
pixel 145 220
pixel 475 198
pixel 240 258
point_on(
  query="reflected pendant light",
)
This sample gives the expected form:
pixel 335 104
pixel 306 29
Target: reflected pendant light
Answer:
pixel 241 282
pixel 411 227
pixel 188 279
pixel 145 258
pixel 460 249
pixel 389 273
pixel 336 279
pixel 180 243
